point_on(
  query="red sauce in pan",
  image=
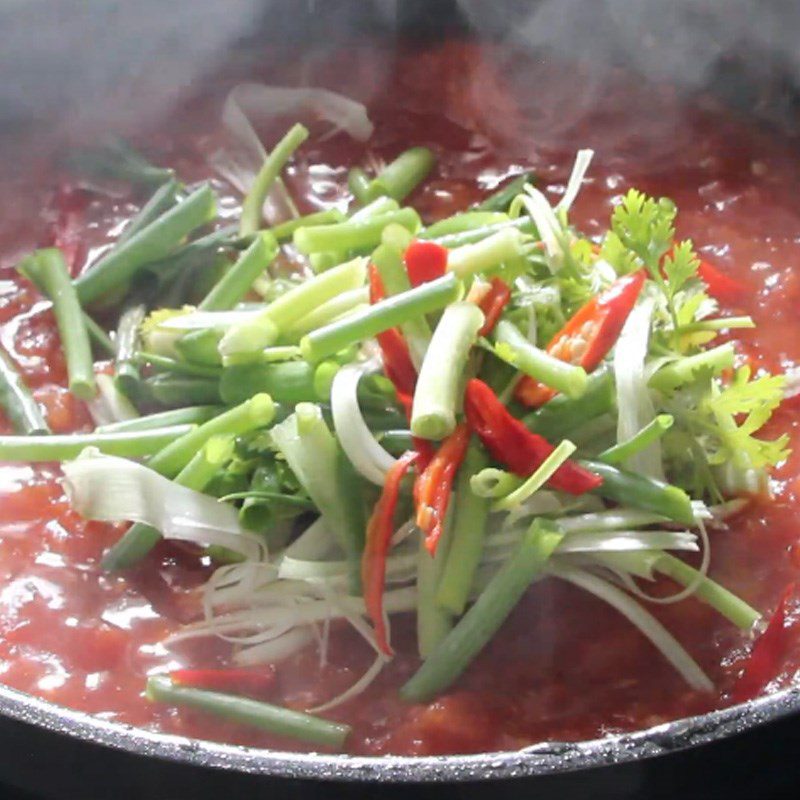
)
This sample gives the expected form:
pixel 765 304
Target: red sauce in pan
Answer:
pixel 565 666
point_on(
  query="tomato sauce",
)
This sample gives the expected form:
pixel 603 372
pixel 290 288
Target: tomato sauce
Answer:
pixel 565 666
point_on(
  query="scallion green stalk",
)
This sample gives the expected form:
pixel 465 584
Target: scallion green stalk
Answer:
pixel 286 382
pixel 191 415
pixel 560 416
pixel 400 177
pixel 161 201
pixel 513 348
pixel 540 476
pixel 388 313
pixel 16 400
pixel 501 199
pixel 389 262
pixel 652 432
pixel 126 373
pixel 98 335
pixel 474 630
pixel 48 270
pixel 236 282
pixel 487 254
pixel 177 390
pixel 253 204
pixel 115 270
pixel 433 414
pixel 178 367
pixel 470 514
pixel 359 184
pixel 361 235
pixel 63 447
pixel 474 235
pixel 247 339
pixel 466 221
pixel 333 309
pixel 254 713
pixel 285 231
pixel 198 472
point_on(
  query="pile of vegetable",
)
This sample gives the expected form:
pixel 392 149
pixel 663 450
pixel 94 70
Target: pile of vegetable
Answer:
pixel 356 414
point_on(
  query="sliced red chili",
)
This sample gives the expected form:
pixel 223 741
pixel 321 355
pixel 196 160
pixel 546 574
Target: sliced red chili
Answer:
pixel 512 444
pixel 398 366
pixel 425 261
pixel 768 654
pixel 721 286
pixel 256 681
pixel 588 335
pixel 376 548
pixel 433 487
pixel 493 304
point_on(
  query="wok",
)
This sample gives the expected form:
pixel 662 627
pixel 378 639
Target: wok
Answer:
pixel 70 60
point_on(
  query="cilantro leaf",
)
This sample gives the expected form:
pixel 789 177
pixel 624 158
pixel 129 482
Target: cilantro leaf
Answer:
pixel 645 226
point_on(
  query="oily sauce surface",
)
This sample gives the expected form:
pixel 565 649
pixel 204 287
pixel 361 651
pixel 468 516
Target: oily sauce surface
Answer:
pixel 564 666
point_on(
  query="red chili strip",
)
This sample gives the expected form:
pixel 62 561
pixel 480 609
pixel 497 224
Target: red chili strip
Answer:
pixel 68 230
pixel 256 681
pixel 376 548
pixel 721 286
pixel 588 336
pixel 425 261
pixel 512 444
pixel 493 304
pixel 397 365
pixel 768 654
pixel 433 487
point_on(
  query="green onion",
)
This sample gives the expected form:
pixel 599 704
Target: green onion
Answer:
pixel 399 178
pixel 164 197
pixel 177 367
pixel 329 311
pixel 248 338
pixel 470 514
pixel 126 373
pixel 68 446
pixel 200 346
pixel 440 380
pixel 16 400
pixel 560 416
pixel 513 348
pixel 287 382
pixel 494 483
pixel 683 370
pixel 191 415
pixel 140 539
pixel 484 618
pixel 619 453
pixel 253 204
pixel 501 199
pixel 389 262
pixel 359 184
pixel 178 390
pixel 255 713
pixel 285 230
pixel 98 335
pixel 639 491
pixel 236 282
pixel 433 621
pixel 540 476
pixel 257 412
pixel 358 235
pixel 48 270
pixel 718 597
pixel 118 161
pixel 115 270
pixel 458 223
pixel 487 254
pixel 388 313
pixel 376 208
pixel 474 235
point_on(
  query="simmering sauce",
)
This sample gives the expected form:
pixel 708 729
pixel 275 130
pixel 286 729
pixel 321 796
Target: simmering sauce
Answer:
pixel 565 666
